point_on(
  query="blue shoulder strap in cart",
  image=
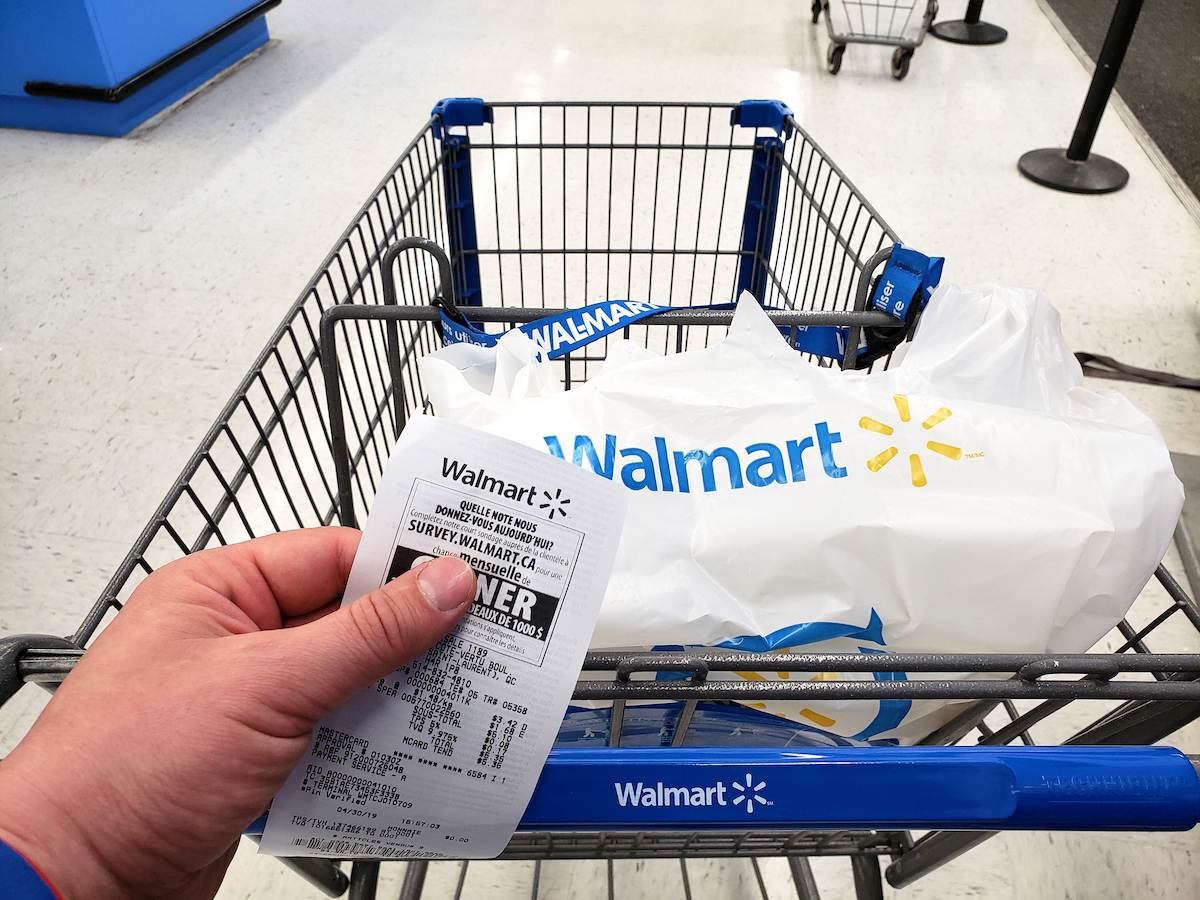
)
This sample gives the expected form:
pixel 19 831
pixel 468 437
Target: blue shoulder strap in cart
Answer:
pixel 902 291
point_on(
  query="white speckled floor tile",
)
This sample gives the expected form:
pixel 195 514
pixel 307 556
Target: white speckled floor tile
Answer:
pixel 55 386
pixel 144 274
pixel 252 876
pixel 106 496
pixel 51 580
pixel 125 313
pixel 1104 866
pixel 96 389
pixel 19 713
pixel 32 458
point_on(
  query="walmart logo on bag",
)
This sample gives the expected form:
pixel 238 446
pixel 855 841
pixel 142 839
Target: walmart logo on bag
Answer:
pixel 916 468
pixel 759 465
pixel 665 469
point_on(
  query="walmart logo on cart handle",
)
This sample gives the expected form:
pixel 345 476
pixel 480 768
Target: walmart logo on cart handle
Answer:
pixel 747 795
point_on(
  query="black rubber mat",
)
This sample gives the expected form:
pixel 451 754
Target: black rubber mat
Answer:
pixel 1160 79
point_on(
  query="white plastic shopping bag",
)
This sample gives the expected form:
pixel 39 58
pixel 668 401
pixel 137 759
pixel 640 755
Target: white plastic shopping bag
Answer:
pixel 974 497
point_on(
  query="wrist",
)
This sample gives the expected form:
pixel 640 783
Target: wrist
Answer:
pixel 37 828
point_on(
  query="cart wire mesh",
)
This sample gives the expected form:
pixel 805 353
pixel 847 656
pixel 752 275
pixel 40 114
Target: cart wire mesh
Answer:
pixel 545 206
pixel 574 202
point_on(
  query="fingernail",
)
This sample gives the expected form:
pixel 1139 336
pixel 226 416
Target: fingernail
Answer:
pixel 447 583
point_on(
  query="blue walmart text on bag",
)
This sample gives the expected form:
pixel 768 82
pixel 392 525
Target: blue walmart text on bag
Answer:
pixel 765 464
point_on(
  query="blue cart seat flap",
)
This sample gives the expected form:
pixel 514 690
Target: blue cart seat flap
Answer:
pixel 1073 788
pixel 455 111
pixel 711 725
pixel 257 826
pixel 808 633
pixel 773 114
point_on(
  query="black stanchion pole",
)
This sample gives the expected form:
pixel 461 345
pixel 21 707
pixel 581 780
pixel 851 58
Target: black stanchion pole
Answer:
pixel 969 30
pixel 1077 169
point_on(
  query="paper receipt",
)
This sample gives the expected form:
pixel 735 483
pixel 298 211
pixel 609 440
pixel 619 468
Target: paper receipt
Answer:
pixel 440 758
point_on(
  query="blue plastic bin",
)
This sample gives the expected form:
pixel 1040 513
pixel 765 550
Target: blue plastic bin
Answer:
pixel 105 66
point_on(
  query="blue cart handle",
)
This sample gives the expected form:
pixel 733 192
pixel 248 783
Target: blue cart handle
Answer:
pixel 863 788
pixel 960 788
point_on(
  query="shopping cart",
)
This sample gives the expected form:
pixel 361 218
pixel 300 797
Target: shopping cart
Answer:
pixel 541 206
pixel 894 24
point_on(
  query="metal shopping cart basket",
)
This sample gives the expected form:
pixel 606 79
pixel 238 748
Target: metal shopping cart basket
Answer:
pixel 541 206
pixel 894 24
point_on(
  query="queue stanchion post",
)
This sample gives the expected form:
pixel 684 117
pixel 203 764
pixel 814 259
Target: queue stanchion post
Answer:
pixel 1076 169
pixel 968 29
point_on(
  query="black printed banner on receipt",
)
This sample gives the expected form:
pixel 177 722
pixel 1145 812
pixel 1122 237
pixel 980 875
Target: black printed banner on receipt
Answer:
pixel 440 758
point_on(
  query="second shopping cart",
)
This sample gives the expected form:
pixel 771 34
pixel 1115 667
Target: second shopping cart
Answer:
pixel 896 24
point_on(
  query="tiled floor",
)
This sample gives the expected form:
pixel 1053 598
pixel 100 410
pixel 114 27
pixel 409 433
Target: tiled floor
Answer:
pixel 140 276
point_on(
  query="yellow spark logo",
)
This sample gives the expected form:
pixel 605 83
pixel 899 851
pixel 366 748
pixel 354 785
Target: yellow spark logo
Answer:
pixel 879 460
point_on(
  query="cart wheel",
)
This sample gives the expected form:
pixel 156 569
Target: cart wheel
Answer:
pixel 900 62
pixel 833 57
pixel 816 11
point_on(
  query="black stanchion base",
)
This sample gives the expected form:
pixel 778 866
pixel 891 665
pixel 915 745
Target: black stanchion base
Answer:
pixel 963 32
pixel 1095 175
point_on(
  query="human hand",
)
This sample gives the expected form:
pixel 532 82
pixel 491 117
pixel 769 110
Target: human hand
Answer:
pixel 190 710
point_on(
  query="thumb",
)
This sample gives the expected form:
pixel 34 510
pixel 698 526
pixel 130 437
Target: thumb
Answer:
pixel 341 654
